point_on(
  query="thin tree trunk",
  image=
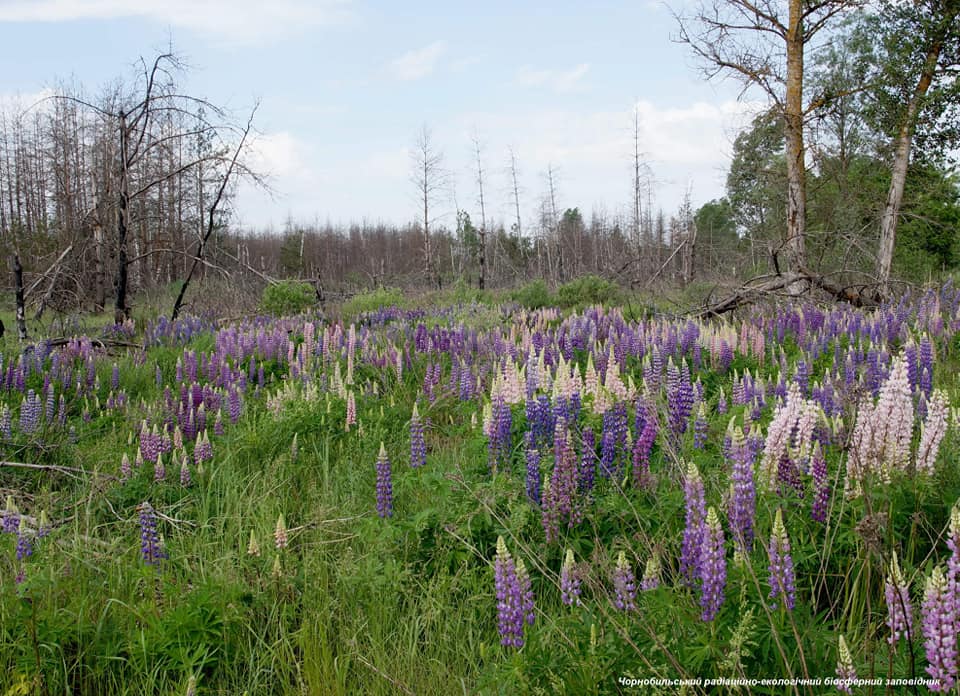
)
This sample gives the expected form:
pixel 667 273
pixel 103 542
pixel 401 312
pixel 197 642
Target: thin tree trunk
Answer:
pixel 121 311
pixel 901 160
pixel 793 131
pixel 18 295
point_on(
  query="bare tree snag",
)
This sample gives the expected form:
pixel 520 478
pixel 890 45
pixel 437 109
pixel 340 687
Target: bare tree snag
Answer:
pixel 21 317
pixel 211 218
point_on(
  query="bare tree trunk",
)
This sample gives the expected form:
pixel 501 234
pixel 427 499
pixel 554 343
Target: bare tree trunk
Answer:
pixel 483 217
pixel 793 130
pixel 18 295
pixel 901 159
pixel 121 311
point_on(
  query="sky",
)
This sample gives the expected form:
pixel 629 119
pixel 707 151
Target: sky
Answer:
pixel 345 87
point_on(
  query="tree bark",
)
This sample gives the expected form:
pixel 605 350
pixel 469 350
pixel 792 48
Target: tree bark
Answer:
pixel 18 295
pixel 121 311
pixel 901 160
pixel 793 133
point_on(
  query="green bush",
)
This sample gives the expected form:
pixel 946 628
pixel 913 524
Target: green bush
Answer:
pixel 588 290
pixel 288 297
pixel 372 301
pixel 534 295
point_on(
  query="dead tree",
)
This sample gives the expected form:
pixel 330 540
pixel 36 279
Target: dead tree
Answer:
pixel 429 178
pixel 483 214
pixel 212 217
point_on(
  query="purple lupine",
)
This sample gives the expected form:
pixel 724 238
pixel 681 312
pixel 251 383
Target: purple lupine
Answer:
pixel 560 500
pixel 613 441
pixel 896 591
pixel 939 616
pixel 569 581
pixel 588 460
pixel 510 600
pixel 700 428
pixel 24 540
pixel 846 674
pixel 184 472
pixel 643 445
pixel 125 470
pixel 526 593
pixel 782 578
pixel 418 445
pixel 821 485
pixel 651 574
pixel 533 468
pixel 696 513
pixel 150 550
pixel 743 491
pixel 680 397
pixel 712 567
pixel 501 436
pixel 384 484
pixel 722 403
pixel 624 585
pixel 159 472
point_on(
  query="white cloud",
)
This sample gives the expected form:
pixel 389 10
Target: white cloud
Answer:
pixel 418 63
pixel 239 20
pixel 557 80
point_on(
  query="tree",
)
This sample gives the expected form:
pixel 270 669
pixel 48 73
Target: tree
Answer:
pixel 762 44
pixel 483 213
pixel 918 60
pixel 430 180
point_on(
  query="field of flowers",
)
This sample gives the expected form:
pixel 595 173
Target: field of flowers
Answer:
pixel 485 499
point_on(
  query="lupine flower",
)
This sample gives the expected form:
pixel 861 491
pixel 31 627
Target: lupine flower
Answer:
pixel 700 427
pixel 159 472
pixel 899 611
pixel 280 537
pixel 821 485
pixel 184 472
pixel 533 468
pixel 560 499
pixel 24 541
pixel 782 580
pixel 253 547
pixel 624 585
pixel 418 446
pixel 712 567
pixel 643 445
pixel 151 550
pixel 569 581
pixel 588 460
pixel 743 491
pixel 696 513
pixel 125 470
pixel 526 592
pixel 939 615
pixel 510 600
pixel 277 571
pixel 845 670
pixel 651 574
pixel 384 484
pixel 932 432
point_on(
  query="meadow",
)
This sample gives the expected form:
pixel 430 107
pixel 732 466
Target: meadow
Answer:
pixel 485 498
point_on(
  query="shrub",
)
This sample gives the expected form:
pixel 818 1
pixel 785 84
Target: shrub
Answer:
pixel 288 297
pixel 534 295
pixel 588 290
pixel 372 301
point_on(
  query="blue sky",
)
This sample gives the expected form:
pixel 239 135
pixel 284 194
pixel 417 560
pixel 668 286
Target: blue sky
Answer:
pixel 345 87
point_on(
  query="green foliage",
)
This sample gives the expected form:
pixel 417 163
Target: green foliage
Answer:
pixel 533 295
pixel 588 290
pixel 372 301
pixel 288 297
